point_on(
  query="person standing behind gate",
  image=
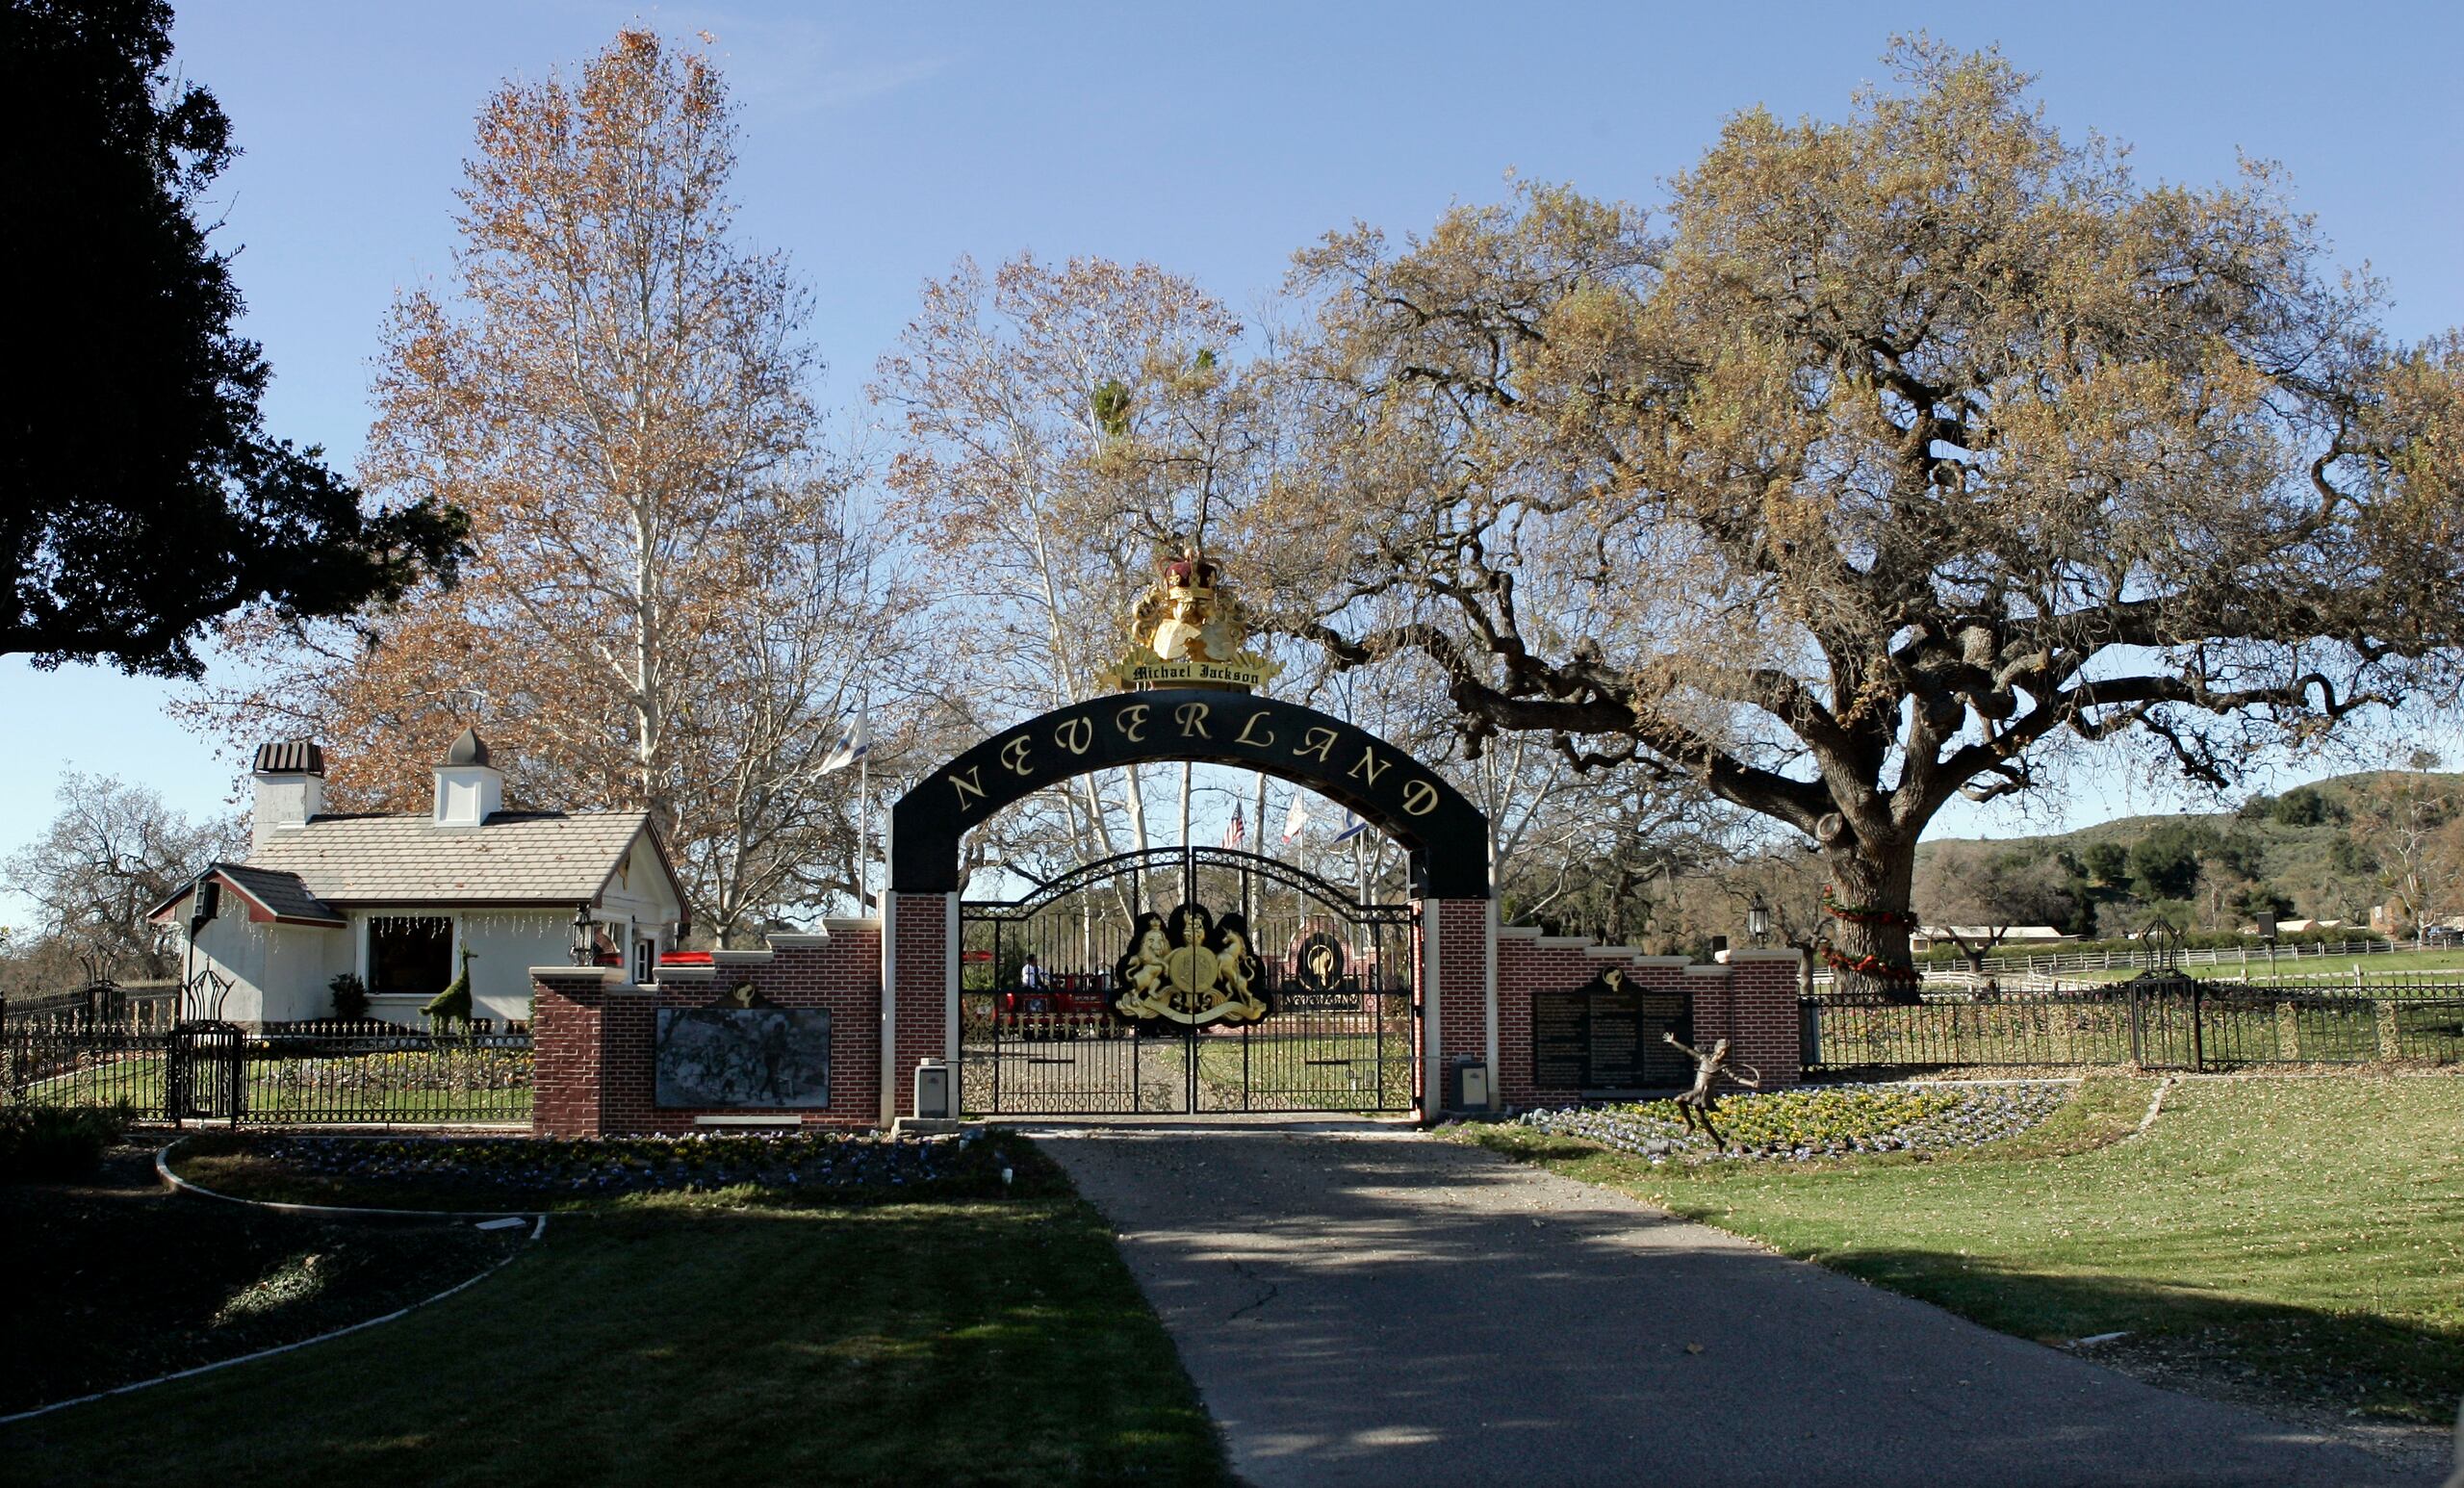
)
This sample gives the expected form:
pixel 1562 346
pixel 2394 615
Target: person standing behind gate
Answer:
pixel 1031 975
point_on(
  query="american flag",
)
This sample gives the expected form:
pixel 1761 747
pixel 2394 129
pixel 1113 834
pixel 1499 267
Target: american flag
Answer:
pixel 1238 830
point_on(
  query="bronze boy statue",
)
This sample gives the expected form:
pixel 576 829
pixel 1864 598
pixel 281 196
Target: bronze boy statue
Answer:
pixel 1699 1101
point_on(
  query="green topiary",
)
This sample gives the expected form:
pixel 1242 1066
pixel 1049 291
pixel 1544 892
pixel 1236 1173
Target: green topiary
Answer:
pixel 453 1005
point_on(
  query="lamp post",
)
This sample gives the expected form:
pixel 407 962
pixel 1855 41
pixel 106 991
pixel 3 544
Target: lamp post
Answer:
pixel 1757 921
pixel 584 953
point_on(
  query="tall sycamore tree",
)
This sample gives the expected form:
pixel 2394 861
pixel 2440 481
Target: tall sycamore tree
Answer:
pixel 1911 448
pixel 669 595
pixel 1061 424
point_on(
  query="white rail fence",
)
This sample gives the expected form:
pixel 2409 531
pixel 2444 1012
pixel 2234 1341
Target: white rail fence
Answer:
pixel 2246 964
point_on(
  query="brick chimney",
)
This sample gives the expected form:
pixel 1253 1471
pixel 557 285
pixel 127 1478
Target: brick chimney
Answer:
pixel 290 788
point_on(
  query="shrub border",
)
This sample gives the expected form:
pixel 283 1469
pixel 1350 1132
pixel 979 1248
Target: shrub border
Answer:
pixel 179 1185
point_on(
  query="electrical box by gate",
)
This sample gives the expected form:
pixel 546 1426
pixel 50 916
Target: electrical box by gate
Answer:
pixel 932 1101
pixel 1470 1085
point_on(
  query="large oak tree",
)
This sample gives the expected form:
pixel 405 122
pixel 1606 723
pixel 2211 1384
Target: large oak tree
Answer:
pixel 1910 447
pixel 140 499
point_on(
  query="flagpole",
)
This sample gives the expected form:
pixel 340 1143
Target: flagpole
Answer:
pixel 865 807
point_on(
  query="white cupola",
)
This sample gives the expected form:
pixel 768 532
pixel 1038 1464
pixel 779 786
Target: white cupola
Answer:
pixel 289 778
pixel 469 790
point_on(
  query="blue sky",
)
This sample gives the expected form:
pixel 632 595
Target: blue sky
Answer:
pixel 881 142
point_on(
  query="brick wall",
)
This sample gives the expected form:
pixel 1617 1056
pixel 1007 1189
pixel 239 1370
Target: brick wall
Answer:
pixel 921 923
pixel 1751 1002
pixel 592 1039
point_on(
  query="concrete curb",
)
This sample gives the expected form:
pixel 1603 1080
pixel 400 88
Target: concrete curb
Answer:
pixel 2155 1104
pixel 162 1170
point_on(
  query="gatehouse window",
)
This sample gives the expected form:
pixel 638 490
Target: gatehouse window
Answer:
pixel 410 955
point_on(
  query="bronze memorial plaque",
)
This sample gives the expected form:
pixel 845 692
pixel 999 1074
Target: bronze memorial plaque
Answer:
pixel 1559 1057
pixel 1605 1036
pixel 1666 1013
pixel 1616 1032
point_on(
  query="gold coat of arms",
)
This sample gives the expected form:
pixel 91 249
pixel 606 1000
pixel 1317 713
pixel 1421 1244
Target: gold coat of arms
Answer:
pixel 1189 967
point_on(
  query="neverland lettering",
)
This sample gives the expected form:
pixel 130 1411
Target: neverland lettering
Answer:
pixel 1341 755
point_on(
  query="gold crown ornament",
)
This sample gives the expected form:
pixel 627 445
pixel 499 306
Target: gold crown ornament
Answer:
pixel 1188 632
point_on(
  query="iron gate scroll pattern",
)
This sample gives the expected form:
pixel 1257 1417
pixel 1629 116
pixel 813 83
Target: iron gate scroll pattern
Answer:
pixel 1084 1033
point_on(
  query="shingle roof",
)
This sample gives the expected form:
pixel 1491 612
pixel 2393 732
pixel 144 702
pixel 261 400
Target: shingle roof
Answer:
pixel 514 858
pixel 283 893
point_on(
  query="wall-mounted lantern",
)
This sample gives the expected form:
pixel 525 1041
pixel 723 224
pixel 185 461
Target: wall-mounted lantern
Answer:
pixel 585 950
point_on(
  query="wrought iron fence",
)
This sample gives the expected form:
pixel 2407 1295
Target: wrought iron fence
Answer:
pixel 151 1006
pixel 2156 1023
pixel 306 1073
pixel 71 1063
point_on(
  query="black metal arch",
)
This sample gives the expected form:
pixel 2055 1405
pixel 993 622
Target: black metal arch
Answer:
pixel 1162 862
pixel 1443 836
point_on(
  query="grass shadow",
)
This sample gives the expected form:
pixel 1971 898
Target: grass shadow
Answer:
pixel 2350 1362
pixel 687 1338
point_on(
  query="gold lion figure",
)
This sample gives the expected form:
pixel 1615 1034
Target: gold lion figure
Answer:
pixel 1232 967
pixel 1147 970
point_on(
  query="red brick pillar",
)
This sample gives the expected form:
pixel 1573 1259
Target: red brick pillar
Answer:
pixel 1458 1003
pixel 568 1007
pixel 919 992
pixel 1755 1011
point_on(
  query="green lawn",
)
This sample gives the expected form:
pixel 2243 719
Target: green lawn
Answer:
pixel 680 1342
pixel 2311 1229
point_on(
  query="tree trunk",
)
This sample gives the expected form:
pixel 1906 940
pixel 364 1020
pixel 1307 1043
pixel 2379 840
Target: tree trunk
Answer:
pixel 1867 882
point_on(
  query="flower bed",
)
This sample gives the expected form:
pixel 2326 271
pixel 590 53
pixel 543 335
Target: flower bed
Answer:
pixel 449 1069
pixel 1807 1125
pixel 522 1167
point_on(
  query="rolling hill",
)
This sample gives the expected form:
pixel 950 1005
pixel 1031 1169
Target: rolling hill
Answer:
pixel 2301 845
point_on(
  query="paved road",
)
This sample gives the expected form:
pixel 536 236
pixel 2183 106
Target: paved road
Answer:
pixel 1362 1306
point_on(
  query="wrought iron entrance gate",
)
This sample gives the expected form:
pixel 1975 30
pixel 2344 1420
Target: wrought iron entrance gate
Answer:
pixel 205 1073
pixel 1339 1032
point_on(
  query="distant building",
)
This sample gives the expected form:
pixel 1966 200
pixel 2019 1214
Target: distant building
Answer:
pixel 399 898
pixel 1928 937
pixel 2282 928
pixel 2390 920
